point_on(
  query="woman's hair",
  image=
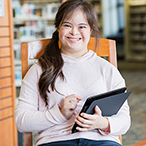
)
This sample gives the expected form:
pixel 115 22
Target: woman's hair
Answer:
pixel 51 61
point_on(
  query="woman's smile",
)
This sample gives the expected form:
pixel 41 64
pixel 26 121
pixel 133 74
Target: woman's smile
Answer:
pixel 73 39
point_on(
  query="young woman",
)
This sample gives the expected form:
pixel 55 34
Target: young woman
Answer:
pixel 55 89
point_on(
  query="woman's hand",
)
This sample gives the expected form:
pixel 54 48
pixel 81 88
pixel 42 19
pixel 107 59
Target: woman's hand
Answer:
pixel 69 105
pixel 91 122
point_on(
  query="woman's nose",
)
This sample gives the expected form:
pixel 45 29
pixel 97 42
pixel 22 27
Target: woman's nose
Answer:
pixel 74 31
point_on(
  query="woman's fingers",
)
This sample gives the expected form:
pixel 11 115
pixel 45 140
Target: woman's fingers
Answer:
pixel 78 98
pixel 87 116
pixel 88 122
pixel 69 105
pixel 97 110
pixel 82 129
pixel 83 120
pixel 74 98
pixel 84 124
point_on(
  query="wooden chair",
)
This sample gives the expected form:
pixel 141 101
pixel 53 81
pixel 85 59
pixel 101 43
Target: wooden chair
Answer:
pixel 34 49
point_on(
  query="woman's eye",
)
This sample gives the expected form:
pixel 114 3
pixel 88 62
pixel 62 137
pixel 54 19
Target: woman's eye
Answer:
pixel 66 25
pixel 81 27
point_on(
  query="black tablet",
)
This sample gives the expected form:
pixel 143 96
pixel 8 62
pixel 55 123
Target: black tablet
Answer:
pixel 113 101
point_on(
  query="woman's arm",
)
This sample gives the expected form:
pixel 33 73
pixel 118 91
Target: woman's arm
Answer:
pixel 27 115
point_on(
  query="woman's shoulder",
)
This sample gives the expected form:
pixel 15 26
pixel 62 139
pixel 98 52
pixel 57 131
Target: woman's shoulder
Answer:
pixel 34 71
pixel 106 67
pixel 36 66
pixel 103 62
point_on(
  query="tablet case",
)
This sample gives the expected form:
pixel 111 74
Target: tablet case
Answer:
pixel 113 101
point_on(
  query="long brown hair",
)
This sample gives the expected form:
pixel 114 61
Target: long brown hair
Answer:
pixel 51 61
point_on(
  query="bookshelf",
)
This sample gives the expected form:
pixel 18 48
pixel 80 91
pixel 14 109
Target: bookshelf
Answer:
pixel 32 20
pixel 135 32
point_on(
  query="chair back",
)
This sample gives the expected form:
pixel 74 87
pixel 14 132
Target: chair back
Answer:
pixel 33 50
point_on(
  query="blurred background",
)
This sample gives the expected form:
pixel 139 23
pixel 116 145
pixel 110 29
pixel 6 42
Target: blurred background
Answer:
pixel 121 20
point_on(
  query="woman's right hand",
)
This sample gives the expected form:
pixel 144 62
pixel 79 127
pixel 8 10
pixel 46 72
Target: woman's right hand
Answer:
pixel 69 105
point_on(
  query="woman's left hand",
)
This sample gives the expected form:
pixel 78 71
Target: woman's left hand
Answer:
pixel 91 122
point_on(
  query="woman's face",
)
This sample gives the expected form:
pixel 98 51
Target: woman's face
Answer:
pixel 74 35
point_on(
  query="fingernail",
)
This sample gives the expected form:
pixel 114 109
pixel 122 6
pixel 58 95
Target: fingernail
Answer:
pixel 82 114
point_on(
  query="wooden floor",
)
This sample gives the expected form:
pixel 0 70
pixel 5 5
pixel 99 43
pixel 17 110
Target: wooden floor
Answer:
pixel 135 76
pixel 141 143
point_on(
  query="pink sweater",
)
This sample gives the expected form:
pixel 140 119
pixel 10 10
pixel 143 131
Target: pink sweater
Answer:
pixel 86 76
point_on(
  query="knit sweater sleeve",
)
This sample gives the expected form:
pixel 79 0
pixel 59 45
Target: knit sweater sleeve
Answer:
pixel 27 115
